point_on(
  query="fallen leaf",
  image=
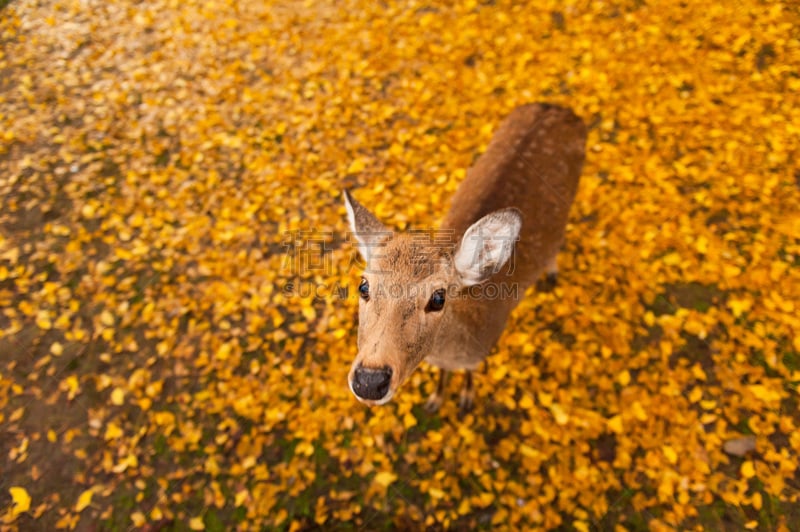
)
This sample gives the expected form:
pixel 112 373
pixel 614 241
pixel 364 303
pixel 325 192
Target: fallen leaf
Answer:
pixel 21 500
pixel 84 500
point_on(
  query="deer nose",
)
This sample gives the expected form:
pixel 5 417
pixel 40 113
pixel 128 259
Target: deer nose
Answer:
pixel 371 383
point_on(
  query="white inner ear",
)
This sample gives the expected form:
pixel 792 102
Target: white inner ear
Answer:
pixel 487 245
pixel 351 216
pixel 365 227
pixel 363 246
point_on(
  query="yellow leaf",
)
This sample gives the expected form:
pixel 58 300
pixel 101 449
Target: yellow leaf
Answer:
pixel 309 313
pixel 740 306
pixel 729 271
pixel 164 418
pixel 517 338
pixel 88 210
pixel 670 454
pixel 696 394
pixel 747 469
pixel 526 402
pixel 84 500
pixel 211 467
pixel 73 386
pixel 106 318
pixel 68 521
pixel 22 501
pixel 757 501
pixel 638 411
pixel 701 244
pixel 708 404
pixel 43 320
pixel 671 259
pixel 409 420
pixel 384 478
pixel 17 414
pixel 196 523
pixel 112 431
pixel 240 498
pixel 117 396
pixel 436 493
pixel 624 378
pixel 129 461
pixel 545 399
pixel 304 448
pixel 356 166
pixel 698 372
pixel 499 372
pixel 615 424
pixel 486 498
pixel 528 451
pixel 138 519
pixel 764 393
pixel 224 351
pixel 559 414
pixel 465 507
pixel 695 327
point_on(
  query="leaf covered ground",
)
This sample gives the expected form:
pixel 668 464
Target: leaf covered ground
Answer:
pixel 175 324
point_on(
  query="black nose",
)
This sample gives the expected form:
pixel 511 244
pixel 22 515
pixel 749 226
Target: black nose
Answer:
pixel 371 383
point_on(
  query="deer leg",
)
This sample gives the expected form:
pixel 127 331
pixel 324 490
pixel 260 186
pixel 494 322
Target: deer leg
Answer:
pixel 467 396
pixel 551 275
pixel 435 400
pixel 551 267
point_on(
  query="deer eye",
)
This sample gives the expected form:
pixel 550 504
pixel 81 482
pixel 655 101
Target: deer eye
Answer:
pixel 363 289
pixel 436 302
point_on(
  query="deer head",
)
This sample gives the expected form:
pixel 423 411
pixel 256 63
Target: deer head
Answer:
pixel 412 292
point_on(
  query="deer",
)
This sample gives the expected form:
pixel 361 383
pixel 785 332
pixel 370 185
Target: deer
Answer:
pixel 449 304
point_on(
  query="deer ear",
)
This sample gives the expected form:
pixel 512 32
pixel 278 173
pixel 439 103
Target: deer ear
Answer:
pixel 487 245
pixel 369 232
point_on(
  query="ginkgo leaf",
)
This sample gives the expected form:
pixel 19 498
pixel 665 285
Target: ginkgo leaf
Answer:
pixel 241 497
pixel 670 454
pixel 747 469
pixel 113 431
pixel 409 420
pixel 84 500
pixel 357 165
pixel 615 424
pixel 559 414
pixel 117 396
pixel 385 478
pixel 138 519
pixel 21 500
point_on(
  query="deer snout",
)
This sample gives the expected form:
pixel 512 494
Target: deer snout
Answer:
pixel 371 384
